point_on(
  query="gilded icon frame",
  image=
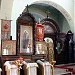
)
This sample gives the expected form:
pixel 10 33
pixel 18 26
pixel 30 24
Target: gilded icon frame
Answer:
pixel 26 39
pixel 8 47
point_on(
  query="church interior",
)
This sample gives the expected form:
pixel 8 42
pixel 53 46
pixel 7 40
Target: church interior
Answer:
pixel 37 37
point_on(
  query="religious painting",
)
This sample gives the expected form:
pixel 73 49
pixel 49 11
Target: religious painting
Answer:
pixel 5 29
pixel 8 47
pixel 41 47
pixel 26 39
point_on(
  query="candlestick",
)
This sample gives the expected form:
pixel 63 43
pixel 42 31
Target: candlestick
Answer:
pixel 52 66
pixel 19 63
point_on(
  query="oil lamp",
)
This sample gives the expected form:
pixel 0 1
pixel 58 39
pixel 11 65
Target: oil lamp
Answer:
pixel 50 53
pixel 39 31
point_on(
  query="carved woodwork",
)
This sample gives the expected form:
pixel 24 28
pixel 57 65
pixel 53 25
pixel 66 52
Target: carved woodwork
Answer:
pixel 52 31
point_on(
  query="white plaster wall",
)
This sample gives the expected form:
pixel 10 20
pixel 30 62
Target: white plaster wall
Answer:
pixel 17 9
pixel 68 5
pixel 0 37
pixel 6 9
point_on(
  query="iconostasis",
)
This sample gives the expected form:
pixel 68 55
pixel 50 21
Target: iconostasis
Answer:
pixel 30 38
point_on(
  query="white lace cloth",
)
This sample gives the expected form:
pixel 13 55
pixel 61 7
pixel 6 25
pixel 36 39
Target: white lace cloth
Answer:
pixel 43 63
pixel 31 67
pixel 46 66
pixel 30 64
pixel 11 69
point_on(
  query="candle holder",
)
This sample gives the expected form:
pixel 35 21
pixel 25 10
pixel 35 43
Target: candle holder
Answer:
pixel 52 66
pixel 50 53
pixel 39 32
pixel 19 63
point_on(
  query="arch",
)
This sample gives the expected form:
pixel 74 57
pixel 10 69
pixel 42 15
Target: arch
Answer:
pixel 62 10
pixel 51 23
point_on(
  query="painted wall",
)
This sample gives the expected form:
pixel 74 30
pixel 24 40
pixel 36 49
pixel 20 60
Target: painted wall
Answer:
pixel 6 9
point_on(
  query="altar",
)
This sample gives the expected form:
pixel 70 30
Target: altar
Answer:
pixel 30 67
pixel 11 68
pixel 44 67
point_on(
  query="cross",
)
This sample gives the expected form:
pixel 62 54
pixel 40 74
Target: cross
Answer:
pixel 47 13
pixel 27 8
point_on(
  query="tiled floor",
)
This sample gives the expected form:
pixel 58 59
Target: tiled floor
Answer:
pixel 59 71
pixel 63 70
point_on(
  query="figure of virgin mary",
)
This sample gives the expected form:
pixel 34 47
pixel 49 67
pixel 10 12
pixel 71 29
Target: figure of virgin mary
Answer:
pixel 25 39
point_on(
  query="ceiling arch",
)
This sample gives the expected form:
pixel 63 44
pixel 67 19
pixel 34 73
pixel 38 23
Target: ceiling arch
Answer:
pixel 39 9
pixel 59 8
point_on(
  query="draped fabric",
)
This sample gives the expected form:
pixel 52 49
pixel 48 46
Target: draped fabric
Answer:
pixel 5 29
pixel 10 68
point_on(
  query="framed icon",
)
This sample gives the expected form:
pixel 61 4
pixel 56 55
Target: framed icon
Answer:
pixel 8 47
pixel 41 47
pixel 26 39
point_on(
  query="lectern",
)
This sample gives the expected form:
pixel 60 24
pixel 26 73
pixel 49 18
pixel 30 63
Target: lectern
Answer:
pixel 44 67
pixel 11 68
pixel 30 67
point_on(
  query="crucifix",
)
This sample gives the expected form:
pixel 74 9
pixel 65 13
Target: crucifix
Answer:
pixel 47 14
pixel 27 8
